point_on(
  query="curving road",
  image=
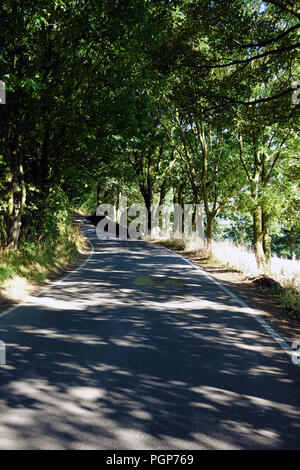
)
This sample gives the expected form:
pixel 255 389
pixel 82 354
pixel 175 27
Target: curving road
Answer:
pixel 138 350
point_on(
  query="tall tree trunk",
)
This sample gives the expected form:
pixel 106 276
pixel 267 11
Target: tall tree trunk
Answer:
pixel 266 240
pixel 147 194
pixel 210 219
pixel 148 204
pixel 258 238
pixel 194 215
pixel 162 198
pixel 16 205
pixel 293 242
pixel 98 190
pixel 163 191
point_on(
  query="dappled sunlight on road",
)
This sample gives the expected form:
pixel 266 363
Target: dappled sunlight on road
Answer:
pixel 100 361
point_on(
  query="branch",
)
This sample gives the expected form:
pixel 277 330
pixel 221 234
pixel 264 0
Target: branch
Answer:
pixel 240 141
pixel 268 177
pixel 224 201
pixel 249 103
pixel 286 6
pixel 265 100
pixel 269 41
pixel 250 59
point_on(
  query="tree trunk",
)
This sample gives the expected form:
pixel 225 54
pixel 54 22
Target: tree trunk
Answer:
pixel 194 218
pixel 209 230
pixel 293 243
pixel 16 205
pixel 163 191
pixel 258 239
pixel 162 198
pixel 98 190
pixel 266 240
pixel 148 199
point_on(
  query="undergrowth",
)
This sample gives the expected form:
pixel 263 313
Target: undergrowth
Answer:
pixel 237 258
pixel 34 263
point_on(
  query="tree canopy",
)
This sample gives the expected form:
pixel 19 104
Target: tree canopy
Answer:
pixel 193 99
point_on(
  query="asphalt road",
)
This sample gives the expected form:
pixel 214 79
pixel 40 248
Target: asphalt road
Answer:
pixel 138 350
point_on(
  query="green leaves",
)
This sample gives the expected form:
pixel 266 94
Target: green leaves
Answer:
pixel 114 90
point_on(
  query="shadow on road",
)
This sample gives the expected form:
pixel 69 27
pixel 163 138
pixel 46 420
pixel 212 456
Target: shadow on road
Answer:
pixel 103 361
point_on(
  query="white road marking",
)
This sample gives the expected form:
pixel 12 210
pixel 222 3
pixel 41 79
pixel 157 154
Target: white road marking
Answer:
pixel 282 343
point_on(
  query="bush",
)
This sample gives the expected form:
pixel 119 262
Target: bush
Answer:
pixel 37 261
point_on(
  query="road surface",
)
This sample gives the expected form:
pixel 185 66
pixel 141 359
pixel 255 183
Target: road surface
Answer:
pixel 138 350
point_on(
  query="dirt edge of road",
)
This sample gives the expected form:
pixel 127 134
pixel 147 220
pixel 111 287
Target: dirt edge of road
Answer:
pixel 260 300
pixel 7 303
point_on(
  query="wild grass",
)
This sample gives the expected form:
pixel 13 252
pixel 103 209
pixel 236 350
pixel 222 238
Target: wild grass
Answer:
pixel 241 258
pixel 33 264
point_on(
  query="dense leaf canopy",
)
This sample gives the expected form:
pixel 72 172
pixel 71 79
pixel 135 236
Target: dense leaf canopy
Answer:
pixel 197 100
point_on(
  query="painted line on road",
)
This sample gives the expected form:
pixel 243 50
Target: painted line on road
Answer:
pixel 282 343
pixel 59 281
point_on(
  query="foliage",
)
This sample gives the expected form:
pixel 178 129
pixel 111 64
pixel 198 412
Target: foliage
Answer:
pixel 153 100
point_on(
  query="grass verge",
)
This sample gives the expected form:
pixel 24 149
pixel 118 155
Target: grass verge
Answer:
pixel 31 265
pixel 287 295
